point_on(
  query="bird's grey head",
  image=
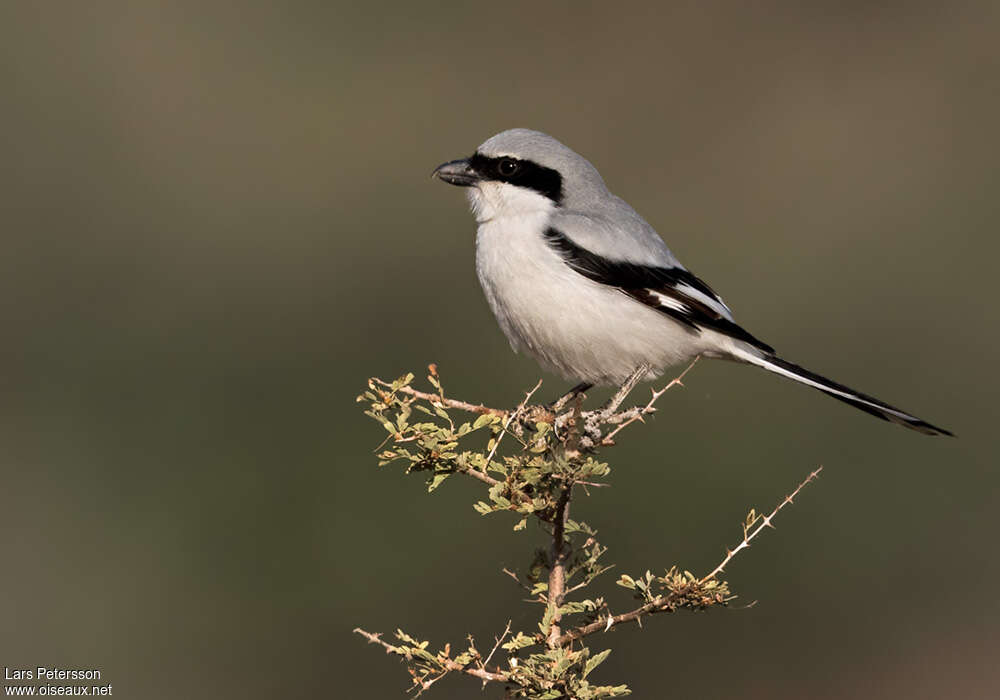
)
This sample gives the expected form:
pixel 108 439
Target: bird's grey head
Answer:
pixel 519 171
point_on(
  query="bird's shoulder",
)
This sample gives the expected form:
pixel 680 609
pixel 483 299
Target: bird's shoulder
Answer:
pixel 616 232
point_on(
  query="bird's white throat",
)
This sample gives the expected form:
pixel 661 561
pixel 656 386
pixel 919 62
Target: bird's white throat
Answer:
pixel 495 200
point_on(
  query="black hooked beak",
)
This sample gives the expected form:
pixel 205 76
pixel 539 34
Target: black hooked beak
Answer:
pixel 457 172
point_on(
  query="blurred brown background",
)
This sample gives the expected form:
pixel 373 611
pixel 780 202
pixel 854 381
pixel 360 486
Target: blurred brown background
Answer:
pixel 217 222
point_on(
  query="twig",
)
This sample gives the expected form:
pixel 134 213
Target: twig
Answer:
pixel 764 521
pixel 518 580
pixel 449 664
pixel 516 495
pixel 497 645
pixel 375 638
pixel 661 604
pixel 425 685
pixel 638 413
pixel 437 399
pixel 482 476
pixel 668 603
pixel 510 419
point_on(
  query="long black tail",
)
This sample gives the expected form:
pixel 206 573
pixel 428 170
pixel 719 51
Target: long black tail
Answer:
pixel 863 402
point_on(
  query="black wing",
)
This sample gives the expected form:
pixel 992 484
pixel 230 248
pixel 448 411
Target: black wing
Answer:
pixel 670 290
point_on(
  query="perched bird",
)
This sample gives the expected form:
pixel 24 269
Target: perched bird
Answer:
pixel 579 281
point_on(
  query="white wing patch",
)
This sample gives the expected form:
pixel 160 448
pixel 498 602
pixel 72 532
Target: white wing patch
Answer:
pixel 669 302
pixel 712 302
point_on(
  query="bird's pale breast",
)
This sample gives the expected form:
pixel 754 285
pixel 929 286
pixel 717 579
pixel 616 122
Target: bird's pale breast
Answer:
pixel 571 325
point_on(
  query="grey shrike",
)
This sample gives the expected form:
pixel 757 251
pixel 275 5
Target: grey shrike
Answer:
pixel 579 281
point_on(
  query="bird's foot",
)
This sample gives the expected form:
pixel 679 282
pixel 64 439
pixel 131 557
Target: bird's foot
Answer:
pixel 563 401
pixel 624 390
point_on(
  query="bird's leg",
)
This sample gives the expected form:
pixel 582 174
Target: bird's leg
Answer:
pixel 615 401
pixel 561 403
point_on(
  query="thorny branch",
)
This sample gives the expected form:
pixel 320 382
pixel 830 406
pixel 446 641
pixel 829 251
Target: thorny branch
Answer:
pixel 589 423
pixel 627 418
pixel 470 471
pixel 669 602
pixel 479 671
pixel 438 400
pixel 510 419
pixel 557 453
pixel 755 523
pixel 499 641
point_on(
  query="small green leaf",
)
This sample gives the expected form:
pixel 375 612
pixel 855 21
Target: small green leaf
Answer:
pixel 484 419
pixel 595 661
pixel 519 642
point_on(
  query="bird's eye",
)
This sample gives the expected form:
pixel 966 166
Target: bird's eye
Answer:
pixel 508 166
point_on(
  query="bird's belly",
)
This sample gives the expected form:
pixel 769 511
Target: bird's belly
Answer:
pixel 572 325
